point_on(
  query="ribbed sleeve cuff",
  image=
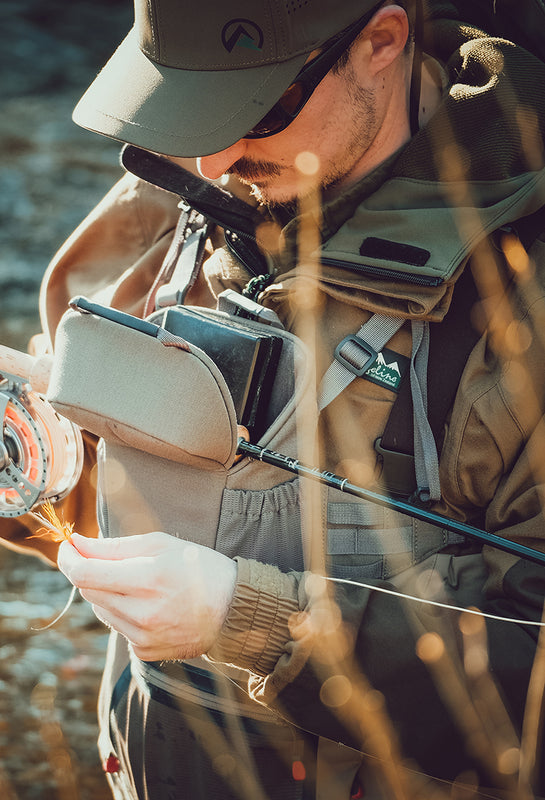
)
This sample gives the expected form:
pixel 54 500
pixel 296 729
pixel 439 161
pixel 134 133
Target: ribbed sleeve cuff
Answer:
pixel 256 630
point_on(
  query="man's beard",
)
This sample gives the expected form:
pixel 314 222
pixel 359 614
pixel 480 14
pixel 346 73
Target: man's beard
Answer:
pixel 250 171
pixel 358 138
pixel 253 173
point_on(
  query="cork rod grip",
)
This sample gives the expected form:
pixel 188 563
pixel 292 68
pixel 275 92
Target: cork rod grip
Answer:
pixel 34 369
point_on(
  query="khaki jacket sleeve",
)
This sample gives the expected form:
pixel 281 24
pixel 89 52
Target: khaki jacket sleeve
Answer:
pixel 113 256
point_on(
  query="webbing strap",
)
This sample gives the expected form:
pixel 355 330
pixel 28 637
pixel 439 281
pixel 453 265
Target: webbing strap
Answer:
pixel 187 262
pixel 425 450
pixel 355 354
pixel 451 341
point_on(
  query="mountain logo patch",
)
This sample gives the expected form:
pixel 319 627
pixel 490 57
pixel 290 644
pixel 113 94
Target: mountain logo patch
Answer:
pixel 388 369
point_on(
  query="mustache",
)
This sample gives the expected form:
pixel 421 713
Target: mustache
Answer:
pixel 250 170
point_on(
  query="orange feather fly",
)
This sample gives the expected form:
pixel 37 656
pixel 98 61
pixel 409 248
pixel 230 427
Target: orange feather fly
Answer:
pixel 58 531
pixel 55 528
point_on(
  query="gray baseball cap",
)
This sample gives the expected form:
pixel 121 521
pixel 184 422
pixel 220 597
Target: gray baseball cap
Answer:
pixel 191 78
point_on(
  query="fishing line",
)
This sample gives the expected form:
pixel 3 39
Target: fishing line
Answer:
pixel 294 466
pixel 449 607
pixel 60 615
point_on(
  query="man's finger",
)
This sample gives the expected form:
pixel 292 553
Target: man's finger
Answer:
pixel 120 547
pixel 126 576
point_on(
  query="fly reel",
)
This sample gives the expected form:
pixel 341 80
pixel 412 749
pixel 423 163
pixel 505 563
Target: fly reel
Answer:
pixel 41 453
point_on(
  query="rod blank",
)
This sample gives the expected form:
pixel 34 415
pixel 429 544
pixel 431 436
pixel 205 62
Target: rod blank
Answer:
pixel 418 512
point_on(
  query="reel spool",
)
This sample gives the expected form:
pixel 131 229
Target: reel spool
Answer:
pixel 41 453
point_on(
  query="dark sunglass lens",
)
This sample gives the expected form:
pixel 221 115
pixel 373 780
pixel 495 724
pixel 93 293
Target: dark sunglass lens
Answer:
pixel 292 98
pixel 276 120
pixel 271 123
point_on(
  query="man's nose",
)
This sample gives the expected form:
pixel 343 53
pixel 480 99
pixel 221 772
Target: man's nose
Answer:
pixel 216 165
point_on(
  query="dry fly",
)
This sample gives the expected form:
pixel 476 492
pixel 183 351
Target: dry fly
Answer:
pixel 55 528
pixel 58 531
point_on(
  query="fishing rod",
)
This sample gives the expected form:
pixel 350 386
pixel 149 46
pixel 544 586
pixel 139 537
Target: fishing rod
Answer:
pixel 418 512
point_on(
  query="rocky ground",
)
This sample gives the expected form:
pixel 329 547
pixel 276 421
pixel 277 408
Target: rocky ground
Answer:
pixel 51 171
pixel 48 687
pixel 51 175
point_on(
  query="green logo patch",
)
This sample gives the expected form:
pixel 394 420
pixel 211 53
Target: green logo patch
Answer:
pixel 388 369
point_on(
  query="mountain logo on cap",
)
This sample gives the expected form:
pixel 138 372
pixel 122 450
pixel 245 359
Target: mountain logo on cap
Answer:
pixel 241 33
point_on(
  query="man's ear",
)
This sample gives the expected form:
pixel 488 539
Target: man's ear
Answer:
pixel 387 35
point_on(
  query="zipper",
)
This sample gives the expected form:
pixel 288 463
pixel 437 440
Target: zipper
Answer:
pixel 379 272
pixel 244 246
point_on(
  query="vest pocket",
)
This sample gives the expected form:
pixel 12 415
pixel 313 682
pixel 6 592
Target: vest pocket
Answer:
pixel 263 524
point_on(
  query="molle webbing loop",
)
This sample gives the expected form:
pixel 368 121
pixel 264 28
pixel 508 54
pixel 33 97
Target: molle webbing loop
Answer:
pixel 366 542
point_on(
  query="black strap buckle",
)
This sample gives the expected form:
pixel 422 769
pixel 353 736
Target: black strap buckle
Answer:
pixel 351 351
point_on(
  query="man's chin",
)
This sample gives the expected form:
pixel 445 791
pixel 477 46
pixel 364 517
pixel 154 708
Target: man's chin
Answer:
pixel 270 195
pixel 267 180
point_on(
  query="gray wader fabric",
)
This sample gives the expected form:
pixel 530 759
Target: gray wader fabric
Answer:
pixel 166 462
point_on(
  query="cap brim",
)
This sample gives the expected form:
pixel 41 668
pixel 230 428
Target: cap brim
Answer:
pixel 179 112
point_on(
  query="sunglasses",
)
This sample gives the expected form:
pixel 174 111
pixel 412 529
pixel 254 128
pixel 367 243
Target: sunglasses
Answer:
pixel 299 92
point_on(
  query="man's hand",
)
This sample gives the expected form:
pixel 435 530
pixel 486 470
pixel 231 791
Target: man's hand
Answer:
pixel 168 597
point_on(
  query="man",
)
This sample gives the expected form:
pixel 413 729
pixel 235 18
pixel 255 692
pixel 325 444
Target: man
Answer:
pixel 372 691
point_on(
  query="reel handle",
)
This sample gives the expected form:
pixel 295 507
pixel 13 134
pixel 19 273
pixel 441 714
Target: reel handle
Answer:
pixel 34 369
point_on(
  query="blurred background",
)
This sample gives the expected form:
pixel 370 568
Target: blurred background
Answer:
pixel 51 174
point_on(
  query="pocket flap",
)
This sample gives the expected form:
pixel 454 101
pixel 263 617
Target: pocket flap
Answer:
pixel 121 384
